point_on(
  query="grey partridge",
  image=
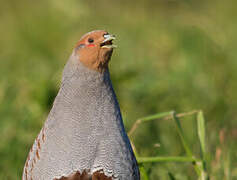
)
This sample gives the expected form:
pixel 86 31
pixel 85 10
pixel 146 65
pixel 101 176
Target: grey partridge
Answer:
pixel 83 137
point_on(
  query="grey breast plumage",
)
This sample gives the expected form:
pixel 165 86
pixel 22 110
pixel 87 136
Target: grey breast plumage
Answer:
pixel 84 132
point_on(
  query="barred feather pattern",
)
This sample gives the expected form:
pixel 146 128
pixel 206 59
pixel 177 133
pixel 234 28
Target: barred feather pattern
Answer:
pixel 84 131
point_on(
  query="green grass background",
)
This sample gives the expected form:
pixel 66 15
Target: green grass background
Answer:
pixel 172 55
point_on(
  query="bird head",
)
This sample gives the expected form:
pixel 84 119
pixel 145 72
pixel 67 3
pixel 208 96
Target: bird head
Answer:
pixel 94 49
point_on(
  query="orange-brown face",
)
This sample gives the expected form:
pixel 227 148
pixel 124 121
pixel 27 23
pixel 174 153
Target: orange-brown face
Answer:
pixel 95 49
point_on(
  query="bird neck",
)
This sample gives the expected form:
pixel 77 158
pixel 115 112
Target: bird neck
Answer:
pixel 89 98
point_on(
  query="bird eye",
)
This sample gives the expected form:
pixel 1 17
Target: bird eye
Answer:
pixel 90 40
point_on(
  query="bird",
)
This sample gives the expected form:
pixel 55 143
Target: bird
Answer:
pixel 83 137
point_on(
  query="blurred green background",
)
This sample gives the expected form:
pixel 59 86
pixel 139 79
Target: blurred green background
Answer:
pixel 172 55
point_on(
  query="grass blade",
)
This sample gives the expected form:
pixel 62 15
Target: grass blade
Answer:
pixel 149 118
pixel 143 173
pixel 201 132
pixel 186 145
pixel 171 176
pixel 156 116
pixel 201 136
pixel 181 134
pixel 165 159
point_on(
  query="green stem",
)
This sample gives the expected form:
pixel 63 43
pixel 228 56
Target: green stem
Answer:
pixel 185 144
pixel 166 159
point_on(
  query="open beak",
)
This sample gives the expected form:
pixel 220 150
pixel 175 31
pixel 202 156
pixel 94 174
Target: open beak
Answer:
pixel 107 43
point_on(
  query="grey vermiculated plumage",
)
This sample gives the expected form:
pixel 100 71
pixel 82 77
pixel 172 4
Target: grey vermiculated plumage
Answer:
pixel 84 130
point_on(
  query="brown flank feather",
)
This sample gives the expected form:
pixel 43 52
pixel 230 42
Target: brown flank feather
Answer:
pixel 98 175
